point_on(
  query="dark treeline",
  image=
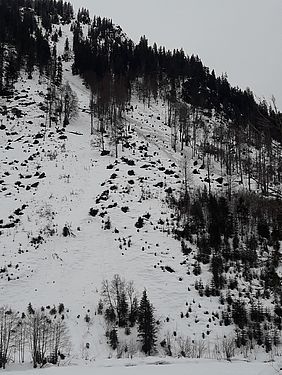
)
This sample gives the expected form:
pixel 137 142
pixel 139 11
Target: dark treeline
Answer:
pixel 106 51
pixel 24 41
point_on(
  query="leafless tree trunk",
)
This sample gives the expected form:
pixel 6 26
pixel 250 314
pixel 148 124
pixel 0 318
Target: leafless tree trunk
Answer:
pixel 92 112
pixel 8 321
pixel 21 338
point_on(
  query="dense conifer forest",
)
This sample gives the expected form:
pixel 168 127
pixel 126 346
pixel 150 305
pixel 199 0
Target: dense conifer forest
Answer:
pixel 25 28
pixel 106 52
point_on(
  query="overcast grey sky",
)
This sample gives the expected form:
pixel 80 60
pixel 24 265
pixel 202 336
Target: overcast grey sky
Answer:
pixel 240 37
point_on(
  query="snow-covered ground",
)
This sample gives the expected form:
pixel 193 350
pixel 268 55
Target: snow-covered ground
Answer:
pixel 161 367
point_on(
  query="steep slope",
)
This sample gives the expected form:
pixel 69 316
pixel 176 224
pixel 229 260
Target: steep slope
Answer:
pixel 51 179
pixel 53 250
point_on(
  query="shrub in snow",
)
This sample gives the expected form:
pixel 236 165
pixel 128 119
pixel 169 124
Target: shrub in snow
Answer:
pixel 125 209
pixel 66 231
pixel 108 224
pixel 140 223
pixel 105 153
pixel 100 307
pixel 53 311
pixel 93 212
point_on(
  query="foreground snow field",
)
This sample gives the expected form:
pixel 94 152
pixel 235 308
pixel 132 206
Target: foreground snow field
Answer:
pixel 161 367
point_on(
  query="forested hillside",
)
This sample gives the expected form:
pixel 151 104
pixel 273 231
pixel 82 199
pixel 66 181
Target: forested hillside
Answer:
pixel 141 197
pixel 25 28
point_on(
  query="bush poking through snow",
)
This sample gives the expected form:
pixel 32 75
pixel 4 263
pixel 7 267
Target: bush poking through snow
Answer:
pixel 108 224
pixel 100 307
pixel 93 211
pixel 66 231
pixel 140 223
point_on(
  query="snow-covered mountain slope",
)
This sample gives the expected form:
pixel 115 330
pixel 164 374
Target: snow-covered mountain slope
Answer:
pixel 51 178
pixel 49 183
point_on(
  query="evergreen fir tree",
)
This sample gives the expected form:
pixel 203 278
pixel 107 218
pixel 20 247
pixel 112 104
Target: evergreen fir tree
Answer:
pixel 30 309
pixel 146 325
pixel 113 338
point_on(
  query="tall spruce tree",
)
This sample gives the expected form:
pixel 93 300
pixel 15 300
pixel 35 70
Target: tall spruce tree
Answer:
pixel 147 330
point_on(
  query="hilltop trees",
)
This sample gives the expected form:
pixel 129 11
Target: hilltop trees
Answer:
pixel 241 137
pixel 171 75
pixel 83 16
pixel 25 33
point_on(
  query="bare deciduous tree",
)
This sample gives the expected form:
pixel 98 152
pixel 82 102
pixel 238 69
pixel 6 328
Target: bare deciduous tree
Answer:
pixel 8 323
